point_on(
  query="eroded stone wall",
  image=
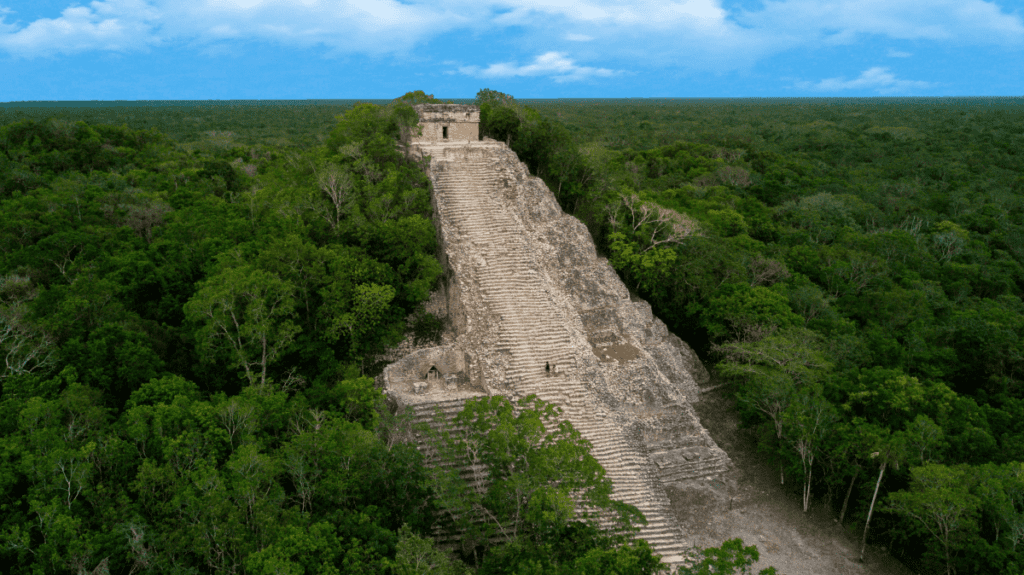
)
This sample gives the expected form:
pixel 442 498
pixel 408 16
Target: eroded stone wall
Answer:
pixel 446 123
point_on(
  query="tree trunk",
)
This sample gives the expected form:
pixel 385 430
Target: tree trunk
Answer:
pixel 263 362
pixel 871 510
pixel 807 486
pixel 778 436
pixel 848 491
pixel 949 561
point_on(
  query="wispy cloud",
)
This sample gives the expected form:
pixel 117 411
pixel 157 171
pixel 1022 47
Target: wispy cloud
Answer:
pixel 899 54
pixel 643 13
pixel 680 34
pixel 4 27
pixel 842 21
pixel 552 64
pixel 111 25
pixel 878 79
pixel 341 25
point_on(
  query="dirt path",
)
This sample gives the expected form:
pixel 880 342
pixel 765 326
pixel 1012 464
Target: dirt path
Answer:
pixel 763 514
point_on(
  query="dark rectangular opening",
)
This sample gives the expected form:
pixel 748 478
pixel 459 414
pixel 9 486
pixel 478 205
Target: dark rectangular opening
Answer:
pixel 444 132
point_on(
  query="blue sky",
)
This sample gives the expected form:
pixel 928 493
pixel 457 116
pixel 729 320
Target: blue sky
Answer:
pixel 327 49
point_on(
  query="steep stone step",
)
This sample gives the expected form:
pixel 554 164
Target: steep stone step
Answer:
pixel 469 184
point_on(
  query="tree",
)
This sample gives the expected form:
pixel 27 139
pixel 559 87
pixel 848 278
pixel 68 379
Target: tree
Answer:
pixel 771 398
pixel 893 399
pixel 57 458
pixel 369 305
pixel 647 269
pixel 488 96
pixel 998 490
pixel 25 347
pixel 723 560
pixel 578 549
pixel 254 487
pixel 923 435
pixel 748 313
pixel 337 186
pixel 419 97
pixel 845 445
pixel 246 315
pixel 822 215
pixel 1011 513
pixel 499 122
pixel 890 451
pixel 775 370
pixel 649 224
pixel 316 550
pixel 948 240
pixel 940 501
pixel 415 555
pixel 407 244
pixel 539 473
pixel 810 419
pixel 500 115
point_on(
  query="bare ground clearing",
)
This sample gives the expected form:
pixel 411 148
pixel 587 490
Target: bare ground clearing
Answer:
pixel 761 512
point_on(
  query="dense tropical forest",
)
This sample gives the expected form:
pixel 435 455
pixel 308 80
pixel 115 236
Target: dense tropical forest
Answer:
pixel 853 267
pixel 191 326
pixel 193 299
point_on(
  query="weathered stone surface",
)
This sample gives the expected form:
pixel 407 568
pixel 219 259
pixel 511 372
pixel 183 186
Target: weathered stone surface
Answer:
pixel 446 123
pixel 534 310
pixel 691 363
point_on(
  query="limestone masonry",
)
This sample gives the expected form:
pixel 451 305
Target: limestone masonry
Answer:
pixel 534 310
pixel 447 123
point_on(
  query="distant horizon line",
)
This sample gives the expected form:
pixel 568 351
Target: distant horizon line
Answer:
pixel 45 103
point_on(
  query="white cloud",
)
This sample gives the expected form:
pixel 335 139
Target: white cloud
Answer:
pixel 339 26
pixel 369 26
pixel 879 79
pixel 695 34
pixel 113 25
pixel 224 31
pixel 374 26
pixel 898 54
pixel 6 28
pixel 552 64
pixel 841 21
pixel 643 13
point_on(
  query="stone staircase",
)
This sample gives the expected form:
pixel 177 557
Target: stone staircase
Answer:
pixel 531 332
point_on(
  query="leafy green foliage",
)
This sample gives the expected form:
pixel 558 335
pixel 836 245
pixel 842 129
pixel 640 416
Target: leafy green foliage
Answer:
pixel 941 503
pixel 544 491
pixel 415 555
pixel 732 555
pixel 742 312
pixel 244 314
pixel 184 341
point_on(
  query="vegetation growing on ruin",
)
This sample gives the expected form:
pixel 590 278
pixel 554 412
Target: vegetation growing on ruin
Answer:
pixel 854 266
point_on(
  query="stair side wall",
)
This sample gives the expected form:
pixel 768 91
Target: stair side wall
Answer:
pixel 591 282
